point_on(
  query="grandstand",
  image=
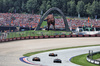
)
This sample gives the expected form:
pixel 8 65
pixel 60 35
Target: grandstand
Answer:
pixel 27 21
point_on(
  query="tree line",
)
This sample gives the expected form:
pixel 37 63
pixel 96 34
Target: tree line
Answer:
pixel 69 7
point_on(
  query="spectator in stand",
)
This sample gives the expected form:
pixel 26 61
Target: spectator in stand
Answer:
pixel 29 20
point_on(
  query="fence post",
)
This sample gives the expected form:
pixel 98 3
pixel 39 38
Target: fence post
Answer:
pixel 99 63
pixel 91 53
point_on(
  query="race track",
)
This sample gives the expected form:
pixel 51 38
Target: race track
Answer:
pixel 10 52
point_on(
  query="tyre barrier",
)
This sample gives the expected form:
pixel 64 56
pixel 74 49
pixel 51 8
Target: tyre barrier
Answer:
pixel 91 60
pixel 92 35
pixel 6 40
pixel 51 36
pixel 36 37
pixel 31 37
pixel 62 36
pixel 0 40
pixel 3 40
pixel 27 37
pixel 10 39
pixel 79 35
pixel 42 37
pixel 18 38
pixel 22 38
pixel 98 35
pixel 73 35
pixel 57 36
pixel 14 39
pixel 68 36
pixel 46 36
pixel 86 35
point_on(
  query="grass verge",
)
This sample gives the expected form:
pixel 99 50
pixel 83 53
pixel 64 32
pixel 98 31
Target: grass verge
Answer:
pixel 96 56
pixel 36 33
pixel 81 60
pixel 33 53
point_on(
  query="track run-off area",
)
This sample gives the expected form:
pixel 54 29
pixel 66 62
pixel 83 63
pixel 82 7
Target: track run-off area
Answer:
pixel 10 52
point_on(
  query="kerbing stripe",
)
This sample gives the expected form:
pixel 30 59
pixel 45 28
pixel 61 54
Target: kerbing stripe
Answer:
pixel 24 59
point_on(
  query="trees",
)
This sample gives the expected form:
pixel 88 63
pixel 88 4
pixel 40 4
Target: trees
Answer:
pixel 71 6
pixel 1 5
pixel 48 5
pixel 43 7
pixel 93 9
pixel 32 5
pixel 80 8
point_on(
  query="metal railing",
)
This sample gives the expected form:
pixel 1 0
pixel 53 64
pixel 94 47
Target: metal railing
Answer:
pixel 90 57
pixel 7 35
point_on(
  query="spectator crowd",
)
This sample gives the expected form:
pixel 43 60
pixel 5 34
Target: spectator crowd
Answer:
pixel 29 20
pixel 22 20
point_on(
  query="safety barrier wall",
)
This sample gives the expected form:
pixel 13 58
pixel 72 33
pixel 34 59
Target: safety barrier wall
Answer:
pixel 46 36
pixel 91 60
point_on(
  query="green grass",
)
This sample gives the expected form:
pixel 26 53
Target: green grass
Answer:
pixel 32 53
pixel 96 56
pixel 81 60
pixel 36 33
pixel 44 23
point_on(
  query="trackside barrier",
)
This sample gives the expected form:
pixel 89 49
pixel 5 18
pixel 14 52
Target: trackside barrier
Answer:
pixel 46 36
pixel 91 60
pixel 3 40
pixel 27 37
pixel 0 40
pixel 62 36
pixel 7 40
pixel 73 35
pixel 80 36
pixel 92 35
pixel 36 37
pixel 10 39
pixel 86 35
pixel 18 38
pixel 68 36
pixel 14 39
pixel 31 37
pixel 22 38
pixel 57 36
pixel 40 37
pixel 98 35
pixel 51 36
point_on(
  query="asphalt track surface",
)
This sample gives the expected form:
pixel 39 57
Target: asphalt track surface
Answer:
pixel 64 55
pixel 10 52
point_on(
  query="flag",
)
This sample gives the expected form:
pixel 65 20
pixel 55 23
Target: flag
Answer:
pixel 84 24
pixel 88 19
pixel 11 21
pixel 91 25
pixel 39 20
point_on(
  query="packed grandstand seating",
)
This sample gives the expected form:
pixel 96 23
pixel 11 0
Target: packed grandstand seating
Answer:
pixel 29 20
pixel 22 20
pixel 12 21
